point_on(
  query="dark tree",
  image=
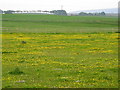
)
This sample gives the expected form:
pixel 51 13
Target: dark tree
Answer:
pixel 83 14
pixel 59 12
pixel 103 13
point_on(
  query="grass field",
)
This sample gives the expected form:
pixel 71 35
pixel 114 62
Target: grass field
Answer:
pixel 58 24
pixel 47 51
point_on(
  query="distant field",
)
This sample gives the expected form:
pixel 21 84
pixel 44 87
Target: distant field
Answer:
pixel 58 24
pixel 47 51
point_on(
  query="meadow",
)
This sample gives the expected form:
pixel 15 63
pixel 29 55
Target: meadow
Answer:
pixel 48 51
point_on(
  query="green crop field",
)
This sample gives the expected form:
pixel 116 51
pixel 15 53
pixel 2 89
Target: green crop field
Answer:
pixel 48 51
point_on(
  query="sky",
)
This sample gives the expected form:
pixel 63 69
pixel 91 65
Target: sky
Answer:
pixel 68 5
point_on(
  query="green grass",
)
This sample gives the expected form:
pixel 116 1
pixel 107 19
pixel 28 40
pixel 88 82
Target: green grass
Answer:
pixel 60 52
pixel 58 24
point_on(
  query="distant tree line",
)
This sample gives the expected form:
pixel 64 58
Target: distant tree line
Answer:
pixel 9 11
pixel 91 14
pixel 55 12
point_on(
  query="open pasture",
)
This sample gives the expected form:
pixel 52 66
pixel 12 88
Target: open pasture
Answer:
pixel 58 24
pixel 43 51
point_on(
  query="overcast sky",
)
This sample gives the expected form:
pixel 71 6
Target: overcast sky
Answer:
pixel 68 5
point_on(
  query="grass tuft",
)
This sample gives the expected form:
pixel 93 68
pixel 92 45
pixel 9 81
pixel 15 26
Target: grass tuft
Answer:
pixel 16 71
